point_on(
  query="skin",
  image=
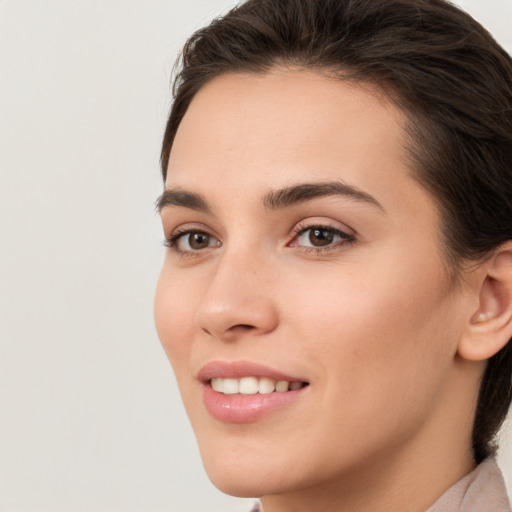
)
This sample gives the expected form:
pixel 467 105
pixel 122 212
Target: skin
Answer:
pixel 372 322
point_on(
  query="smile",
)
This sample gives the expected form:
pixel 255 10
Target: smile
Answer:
pixel 246 391
pixel 253 385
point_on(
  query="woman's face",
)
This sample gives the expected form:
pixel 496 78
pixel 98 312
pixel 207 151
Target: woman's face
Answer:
pixel 302 250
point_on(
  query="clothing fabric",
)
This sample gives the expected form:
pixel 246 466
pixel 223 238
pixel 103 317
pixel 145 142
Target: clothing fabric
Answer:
pixel 482 490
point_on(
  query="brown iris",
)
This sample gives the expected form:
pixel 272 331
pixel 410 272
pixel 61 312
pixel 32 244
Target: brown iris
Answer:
pixel 198 240
pixel 320 237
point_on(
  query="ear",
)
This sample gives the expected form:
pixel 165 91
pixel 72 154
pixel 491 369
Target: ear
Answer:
pixel 490 326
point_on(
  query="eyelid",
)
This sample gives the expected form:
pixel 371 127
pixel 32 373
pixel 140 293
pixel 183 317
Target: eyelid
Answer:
pixel 323 223
pixel 176 229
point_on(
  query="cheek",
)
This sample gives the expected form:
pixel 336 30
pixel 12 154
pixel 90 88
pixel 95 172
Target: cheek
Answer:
pixel 173 311
pixel 377 327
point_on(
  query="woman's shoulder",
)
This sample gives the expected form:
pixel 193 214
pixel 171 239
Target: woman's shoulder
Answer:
pixel 482 490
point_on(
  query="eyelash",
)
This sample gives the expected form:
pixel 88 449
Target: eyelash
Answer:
pixel 172 241
pixel 302 229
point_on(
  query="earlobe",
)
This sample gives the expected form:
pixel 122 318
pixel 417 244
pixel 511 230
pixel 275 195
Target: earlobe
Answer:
pixel 490 326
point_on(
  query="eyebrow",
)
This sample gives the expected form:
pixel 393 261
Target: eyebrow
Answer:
pixel 183 198
pixel 302 193
pixel 273 200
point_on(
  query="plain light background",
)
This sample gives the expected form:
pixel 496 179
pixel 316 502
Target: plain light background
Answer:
pixel 90 416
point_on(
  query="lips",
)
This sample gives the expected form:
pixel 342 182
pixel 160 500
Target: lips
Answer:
pixel 242 391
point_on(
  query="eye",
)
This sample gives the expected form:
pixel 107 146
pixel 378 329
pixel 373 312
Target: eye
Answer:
pixel 319 237
pixel 191 241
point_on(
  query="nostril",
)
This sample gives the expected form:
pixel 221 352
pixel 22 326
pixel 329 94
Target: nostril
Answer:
pixel 242 327
pixel 238 328
pixel 230 333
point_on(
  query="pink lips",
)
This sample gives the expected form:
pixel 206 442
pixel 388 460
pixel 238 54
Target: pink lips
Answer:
pixel 244 408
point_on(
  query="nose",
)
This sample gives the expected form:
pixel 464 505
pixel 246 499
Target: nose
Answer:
pixel 239 300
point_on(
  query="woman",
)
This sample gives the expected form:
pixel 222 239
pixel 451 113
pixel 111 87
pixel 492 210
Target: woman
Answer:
pixel 336 298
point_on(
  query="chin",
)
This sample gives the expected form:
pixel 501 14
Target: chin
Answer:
pixel 247 484
pixel 239 488
pixel 244 476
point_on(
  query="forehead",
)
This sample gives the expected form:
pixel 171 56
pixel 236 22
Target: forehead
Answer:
pixel 291 114
pixel 245 134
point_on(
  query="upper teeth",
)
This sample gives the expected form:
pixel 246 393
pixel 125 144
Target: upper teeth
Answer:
pixel 252 385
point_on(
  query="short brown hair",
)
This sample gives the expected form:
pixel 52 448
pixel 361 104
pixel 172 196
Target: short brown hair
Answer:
pixel 441 67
